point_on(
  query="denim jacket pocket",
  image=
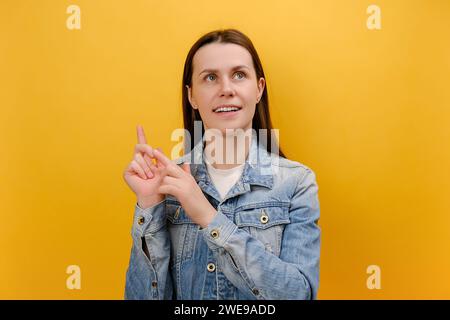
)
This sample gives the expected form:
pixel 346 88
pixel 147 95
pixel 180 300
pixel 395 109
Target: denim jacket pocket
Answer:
pixel 265 222
pixel 183 233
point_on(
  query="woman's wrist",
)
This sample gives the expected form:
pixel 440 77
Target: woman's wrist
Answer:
pixel 207 217
pixel 148 202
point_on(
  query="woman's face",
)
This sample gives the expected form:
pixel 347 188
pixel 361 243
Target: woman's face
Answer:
pixel 223 75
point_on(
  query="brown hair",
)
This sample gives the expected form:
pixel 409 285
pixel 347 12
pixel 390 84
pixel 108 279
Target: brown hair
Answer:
pixel 261 119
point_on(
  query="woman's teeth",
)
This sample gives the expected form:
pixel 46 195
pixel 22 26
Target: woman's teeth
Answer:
pixel 226 109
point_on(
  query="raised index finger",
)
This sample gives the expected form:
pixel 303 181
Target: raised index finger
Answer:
pixel 141 135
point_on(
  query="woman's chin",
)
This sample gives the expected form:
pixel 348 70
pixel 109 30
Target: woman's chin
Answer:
pixel 227 129
pixel 231 130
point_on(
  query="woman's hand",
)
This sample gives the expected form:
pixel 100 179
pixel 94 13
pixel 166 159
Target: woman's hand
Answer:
pixel 141 175
pixel 178 182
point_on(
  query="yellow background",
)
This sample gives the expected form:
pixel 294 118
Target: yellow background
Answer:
pixel 368 111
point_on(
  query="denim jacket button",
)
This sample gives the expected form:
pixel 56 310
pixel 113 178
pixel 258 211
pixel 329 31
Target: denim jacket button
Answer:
pixel 215 233
pixel 255 291
pixel 211 267
pixel 177 213
pixel 264 217
pixel 154 284
pixel 141 220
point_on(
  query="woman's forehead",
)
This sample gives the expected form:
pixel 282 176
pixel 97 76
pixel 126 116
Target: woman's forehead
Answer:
pixel 221 56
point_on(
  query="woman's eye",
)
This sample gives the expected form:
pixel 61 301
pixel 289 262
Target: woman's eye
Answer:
pixel 241 73
pixel 212 77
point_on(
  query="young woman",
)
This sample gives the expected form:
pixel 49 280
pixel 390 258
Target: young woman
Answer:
pixel 205 229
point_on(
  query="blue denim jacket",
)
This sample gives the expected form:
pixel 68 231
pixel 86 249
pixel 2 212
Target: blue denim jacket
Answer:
pixel 263 243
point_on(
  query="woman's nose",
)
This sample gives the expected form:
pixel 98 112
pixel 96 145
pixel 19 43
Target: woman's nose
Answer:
pixel 227 88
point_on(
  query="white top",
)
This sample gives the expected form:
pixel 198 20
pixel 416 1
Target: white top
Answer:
pixel 224 179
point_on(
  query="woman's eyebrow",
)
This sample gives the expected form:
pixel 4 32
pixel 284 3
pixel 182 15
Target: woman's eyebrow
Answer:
pixel 232 69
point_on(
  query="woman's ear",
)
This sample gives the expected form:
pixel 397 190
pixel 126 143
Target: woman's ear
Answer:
pixel 190 97
pixel 261 85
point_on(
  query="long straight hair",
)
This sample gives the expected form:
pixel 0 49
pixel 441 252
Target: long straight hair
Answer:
pixel 261 119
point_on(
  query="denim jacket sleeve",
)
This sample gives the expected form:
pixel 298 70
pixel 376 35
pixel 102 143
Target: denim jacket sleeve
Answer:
pixel 261 274
pixel 148 275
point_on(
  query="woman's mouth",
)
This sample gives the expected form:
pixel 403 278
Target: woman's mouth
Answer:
pixel 227 110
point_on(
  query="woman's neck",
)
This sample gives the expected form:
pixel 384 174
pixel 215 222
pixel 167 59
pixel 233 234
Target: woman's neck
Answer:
pixel 228 151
